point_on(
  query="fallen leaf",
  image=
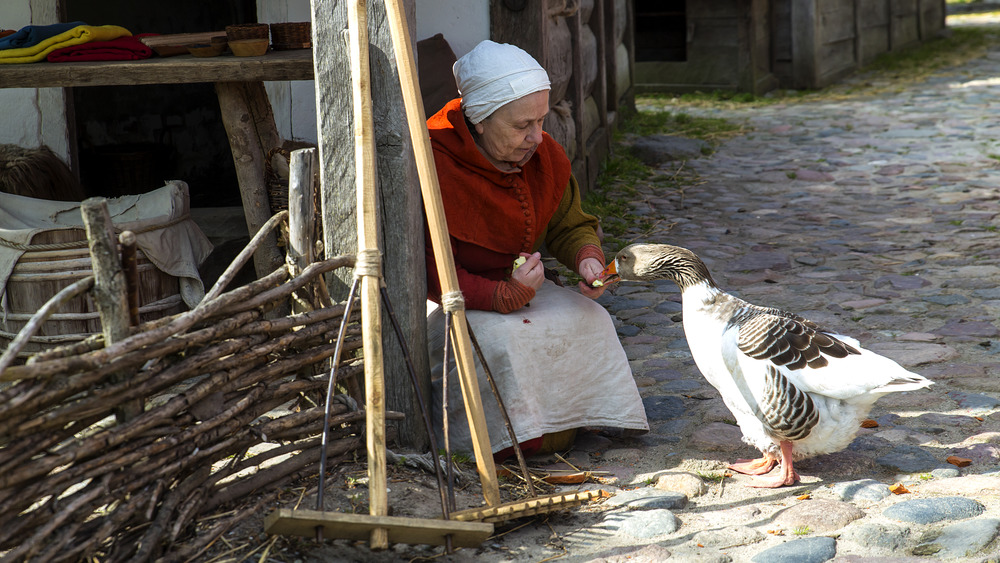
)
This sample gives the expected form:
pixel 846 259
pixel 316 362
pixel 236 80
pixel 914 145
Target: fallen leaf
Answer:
pixel 899 489
pixel 869 423
pixel 958 461
pixel 803 497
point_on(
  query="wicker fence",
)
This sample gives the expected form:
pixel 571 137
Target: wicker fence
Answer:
pixel 233 397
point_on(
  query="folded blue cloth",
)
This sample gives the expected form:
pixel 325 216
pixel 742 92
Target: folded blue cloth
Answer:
pixel 30 35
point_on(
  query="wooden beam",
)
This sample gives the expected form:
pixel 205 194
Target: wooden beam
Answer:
pixel 182 69
pixel 413 531
pixel 247 124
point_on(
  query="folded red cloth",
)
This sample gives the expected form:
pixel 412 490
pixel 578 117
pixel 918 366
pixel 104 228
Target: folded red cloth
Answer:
pixel 121 49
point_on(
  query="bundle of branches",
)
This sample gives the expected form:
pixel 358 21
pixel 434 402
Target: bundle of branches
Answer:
pixel 232 404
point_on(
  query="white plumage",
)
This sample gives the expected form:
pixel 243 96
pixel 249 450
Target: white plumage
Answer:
pixel 795 389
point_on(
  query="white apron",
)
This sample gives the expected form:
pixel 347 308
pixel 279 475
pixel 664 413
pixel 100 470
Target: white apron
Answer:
pixel 558 364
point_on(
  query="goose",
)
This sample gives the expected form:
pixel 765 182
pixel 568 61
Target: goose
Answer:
pixel 795 389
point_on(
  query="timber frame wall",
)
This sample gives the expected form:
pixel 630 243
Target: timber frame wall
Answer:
pixel 758 45
pixel 818 42
pixel 587 48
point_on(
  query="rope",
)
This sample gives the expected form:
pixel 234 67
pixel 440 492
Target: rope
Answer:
pixel 83 243
pixel 368 263
pixel 453 301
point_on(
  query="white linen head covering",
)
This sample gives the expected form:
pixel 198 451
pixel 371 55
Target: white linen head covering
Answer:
pixel 494 74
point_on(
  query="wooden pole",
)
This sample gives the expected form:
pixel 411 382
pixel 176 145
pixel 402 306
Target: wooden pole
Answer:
pixel 437 224
pixel 301 222
pixel 369 267
pixel 110 290
pixel 245 117
pixel 300 208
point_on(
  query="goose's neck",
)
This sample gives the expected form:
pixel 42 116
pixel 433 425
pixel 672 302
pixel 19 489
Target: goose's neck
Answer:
pixel 703 293
pixel 690 271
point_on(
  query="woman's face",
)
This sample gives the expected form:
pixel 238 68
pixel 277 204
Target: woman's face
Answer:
pixel 513 132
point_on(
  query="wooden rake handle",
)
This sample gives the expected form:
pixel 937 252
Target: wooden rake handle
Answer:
pixel 368 229
pixel 438 226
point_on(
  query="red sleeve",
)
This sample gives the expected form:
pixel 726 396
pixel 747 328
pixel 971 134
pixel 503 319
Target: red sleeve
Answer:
pixel 477 290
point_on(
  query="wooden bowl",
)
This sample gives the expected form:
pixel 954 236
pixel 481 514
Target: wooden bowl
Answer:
pixel 249 47
pixel 206 49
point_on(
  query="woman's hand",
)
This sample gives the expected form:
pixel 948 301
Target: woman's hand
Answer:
pixel 532 272
pixel 590 270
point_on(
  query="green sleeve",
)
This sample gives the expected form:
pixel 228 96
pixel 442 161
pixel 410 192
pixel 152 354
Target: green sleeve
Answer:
pixel 570 228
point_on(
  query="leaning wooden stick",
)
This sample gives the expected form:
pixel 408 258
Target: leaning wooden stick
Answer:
pixel 437 224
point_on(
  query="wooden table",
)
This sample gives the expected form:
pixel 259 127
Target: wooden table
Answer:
pixel 239 84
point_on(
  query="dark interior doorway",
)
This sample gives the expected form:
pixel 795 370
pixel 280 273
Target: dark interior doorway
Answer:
pixel 660 30
pixel 131 139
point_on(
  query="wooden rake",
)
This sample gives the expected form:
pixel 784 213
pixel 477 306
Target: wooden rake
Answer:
pixel 460 331
pixel 467 528
pixel 377 527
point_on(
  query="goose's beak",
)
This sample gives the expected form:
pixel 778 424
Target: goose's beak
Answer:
pixel 610 274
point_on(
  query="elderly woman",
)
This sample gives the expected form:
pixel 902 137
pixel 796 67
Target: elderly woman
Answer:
pixel 508 190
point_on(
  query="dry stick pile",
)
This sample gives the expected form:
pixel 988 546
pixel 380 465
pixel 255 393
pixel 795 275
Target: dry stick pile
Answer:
pixel 218 382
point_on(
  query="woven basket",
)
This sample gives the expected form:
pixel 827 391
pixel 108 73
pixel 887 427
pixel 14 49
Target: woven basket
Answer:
pixel 247 31
pixel 291 35
pixel 277 187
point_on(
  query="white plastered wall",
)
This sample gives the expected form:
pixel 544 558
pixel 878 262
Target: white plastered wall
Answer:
pixel 32 116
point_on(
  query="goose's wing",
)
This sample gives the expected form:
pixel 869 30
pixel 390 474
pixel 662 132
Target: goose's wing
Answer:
pixel 812 359
pixel 785 339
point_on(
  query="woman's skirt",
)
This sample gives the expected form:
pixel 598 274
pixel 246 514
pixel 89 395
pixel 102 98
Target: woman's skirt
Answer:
pixel 558 365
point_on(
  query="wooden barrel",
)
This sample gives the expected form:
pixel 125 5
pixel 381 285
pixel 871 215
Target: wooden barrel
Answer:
pixel 40 274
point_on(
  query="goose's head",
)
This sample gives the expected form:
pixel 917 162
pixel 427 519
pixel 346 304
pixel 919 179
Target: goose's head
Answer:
pixel 644 262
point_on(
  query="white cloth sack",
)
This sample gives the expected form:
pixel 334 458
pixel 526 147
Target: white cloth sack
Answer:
pixel 177 249
pixel 558 364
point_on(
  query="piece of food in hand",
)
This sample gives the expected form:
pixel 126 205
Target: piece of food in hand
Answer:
pixel 519 261
pixel 597 283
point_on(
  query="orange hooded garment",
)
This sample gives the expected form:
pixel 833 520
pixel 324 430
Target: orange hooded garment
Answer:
pixel 493 215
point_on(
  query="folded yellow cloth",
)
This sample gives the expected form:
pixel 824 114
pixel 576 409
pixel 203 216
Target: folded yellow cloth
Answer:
pixel 75 36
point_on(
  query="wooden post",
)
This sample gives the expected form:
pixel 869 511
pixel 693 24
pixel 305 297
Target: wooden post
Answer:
pixel 110 288
pixel 301 223
pixel 300 207
pixel 246 114
pixel 404 269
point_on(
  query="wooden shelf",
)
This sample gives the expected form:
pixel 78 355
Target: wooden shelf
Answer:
pixel 180 69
